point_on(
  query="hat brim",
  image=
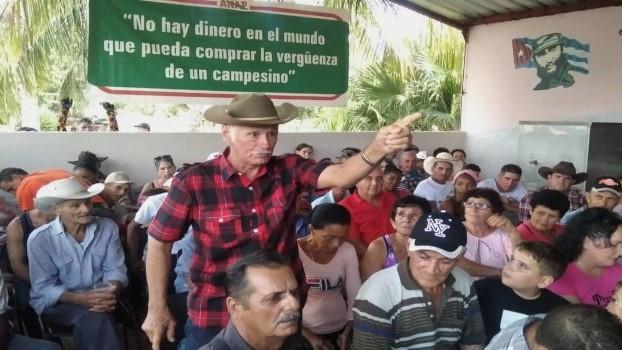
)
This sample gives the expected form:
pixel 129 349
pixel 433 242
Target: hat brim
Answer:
pixel 429 162
pixel 75 162
pixel 413 247
pixel 545 171
pixel 219 115
pixel 46 203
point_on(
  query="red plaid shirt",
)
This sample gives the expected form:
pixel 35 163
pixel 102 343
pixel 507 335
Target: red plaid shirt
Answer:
pixel 232 216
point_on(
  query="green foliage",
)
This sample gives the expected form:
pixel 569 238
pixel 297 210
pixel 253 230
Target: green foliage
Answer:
pixel 428 81
pixel 42 49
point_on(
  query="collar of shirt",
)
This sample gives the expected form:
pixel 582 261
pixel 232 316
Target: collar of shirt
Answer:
pixel 234 339
pixel 57 228
pixel 228 171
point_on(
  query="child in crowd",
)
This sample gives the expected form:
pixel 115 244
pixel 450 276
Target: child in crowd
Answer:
pixel 592 244
pixel 332 274
pixel 464 181
pixel 521 290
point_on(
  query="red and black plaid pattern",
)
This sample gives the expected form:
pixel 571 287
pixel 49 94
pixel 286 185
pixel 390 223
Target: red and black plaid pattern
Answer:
pixel 232 216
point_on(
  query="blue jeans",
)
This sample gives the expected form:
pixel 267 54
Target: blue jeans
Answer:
pixel 196 337
pixel 19 342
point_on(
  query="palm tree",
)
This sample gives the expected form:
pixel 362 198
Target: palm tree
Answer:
pixel 428 81
pixel 42 48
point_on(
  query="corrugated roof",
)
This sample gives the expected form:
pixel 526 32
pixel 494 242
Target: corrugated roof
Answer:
pixel 466 13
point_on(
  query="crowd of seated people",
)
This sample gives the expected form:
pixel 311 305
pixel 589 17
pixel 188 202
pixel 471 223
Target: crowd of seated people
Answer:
pixel 420 254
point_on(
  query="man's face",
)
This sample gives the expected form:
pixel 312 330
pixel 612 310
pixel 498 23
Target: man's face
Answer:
pixel 391 181
pixel 85 127
pixel 408 162
pixel 75 211
pixel 543 218
pixel 457 155
pixel 250 145
pixel 603 199
pixel 330 237
pixel 11 185
pixel 116 191
pixel 371 185
pixel 522 271
pixel 405 219
pixel 272 309
pixel 602 252
pixel 559 182
pixel 85 175
pixel 430 269
pixel 507 182
pixel 441 172
pixel 548 58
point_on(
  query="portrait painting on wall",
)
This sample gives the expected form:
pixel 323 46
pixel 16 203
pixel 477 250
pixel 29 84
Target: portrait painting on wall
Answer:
pixel 554 56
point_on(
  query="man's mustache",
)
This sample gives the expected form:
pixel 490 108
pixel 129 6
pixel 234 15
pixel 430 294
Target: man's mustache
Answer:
pixel 290 317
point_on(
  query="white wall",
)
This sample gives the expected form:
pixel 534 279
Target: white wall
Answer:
pixel 497 96
pixel 134 152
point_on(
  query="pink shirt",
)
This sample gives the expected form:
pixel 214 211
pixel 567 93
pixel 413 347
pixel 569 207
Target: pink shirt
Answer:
pixel 494 250
pixel 592 290
pixel 326 311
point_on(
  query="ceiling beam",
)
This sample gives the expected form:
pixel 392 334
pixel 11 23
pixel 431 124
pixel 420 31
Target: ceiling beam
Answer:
pixel 409 5
pixel 545 11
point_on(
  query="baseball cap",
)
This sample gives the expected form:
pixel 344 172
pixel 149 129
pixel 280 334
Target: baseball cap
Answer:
pixel 608 184
pixel 439 232
pixel 118 177
pixel 143 126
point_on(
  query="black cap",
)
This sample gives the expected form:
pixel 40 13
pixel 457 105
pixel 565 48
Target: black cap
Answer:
pixel 607 184
pixel 440 232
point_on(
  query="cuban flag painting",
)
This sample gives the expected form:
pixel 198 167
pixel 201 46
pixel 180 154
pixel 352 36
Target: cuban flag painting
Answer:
pixel 554 57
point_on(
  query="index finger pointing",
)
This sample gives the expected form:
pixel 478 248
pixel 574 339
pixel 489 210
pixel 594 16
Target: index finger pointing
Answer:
pixel 406 121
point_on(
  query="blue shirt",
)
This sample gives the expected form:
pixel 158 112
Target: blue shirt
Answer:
pixel 59 263
pixel 182 268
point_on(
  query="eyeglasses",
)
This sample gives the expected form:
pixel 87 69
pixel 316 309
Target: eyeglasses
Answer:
pixel 478 206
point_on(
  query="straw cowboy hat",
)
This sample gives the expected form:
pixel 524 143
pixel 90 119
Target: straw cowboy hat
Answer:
pixel 429 162
pixel 63 190
pixel 251 110
pixel 565 168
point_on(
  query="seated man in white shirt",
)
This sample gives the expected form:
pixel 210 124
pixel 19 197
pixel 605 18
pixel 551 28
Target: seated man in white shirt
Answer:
pixel 69 258
pixel 508 185
pixel 438 186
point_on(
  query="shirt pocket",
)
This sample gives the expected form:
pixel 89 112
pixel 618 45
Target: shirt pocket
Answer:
pixel 225 225
pixel 66 275
pixel 97 262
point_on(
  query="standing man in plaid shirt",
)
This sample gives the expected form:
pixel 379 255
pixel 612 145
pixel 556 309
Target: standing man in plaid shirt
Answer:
pixel 561 178
pixel 239 203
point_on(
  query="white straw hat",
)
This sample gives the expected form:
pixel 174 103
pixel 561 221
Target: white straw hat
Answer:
pixel 429 162
pixel 63 190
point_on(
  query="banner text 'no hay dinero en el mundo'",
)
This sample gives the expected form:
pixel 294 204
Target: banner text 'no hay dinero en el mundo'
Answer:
pixel 208 51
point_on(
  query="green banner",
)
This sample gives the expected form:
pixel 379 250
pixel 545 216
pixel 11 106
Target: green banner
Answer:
pixel 202 50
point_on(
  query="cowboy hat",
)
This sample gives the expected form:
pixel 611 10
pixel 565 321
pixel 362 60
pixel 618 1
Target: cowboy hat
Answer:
pixel 565 168
pixel 63 190
pixel 88 157
pixel 251 110
pixel 429 162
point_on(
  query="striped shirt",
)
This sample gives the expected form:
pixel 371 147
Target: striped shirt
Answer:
pixel 391 311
